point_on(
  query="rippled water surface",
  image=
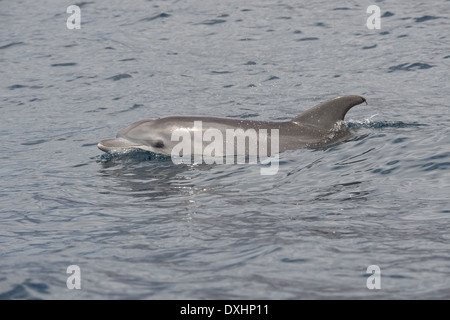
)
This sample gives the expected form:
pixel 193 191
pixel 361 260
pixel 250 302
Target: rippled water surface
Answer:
pixel 139 226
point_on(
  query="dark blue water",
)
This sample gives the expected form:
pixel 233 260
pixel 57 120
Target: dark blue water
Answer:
pixel 139 226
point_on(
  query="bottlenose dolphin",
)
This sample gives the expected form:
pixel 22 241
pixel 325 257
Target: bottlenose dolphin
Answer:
pixel 317 126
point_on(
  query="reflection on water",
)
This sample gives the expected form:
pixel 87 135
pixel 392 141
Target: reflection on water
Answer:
pixel 147 175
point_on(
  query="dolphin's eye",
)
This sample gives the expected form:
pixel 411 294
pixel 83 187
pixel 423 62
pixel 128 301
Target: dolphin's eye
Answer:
pixel 159 144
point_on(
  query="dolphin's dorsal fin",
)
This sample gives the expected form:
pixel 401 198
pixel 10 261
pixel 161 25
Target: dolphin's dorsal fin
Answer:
pixel 326 114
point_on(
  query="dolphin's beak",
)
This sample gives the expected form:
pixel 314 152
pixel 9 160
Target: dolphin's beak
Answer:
pixel 116 144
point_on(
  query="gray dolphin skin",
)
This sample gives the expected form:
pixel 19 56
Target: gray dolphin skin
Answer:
pixel 317 126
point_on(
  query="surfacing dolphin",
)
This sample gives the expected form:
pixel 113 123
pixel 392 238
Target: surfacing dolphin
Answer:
pixel 320 125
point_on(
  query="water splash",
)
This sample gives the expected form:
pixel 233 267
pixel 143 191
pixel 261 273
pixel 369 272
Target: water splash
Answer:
pixel 369 123
pixel 131 155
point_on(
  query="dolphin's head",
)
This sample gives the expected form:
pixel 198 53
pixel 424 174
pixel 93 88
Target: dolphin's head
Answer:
pixel 141 135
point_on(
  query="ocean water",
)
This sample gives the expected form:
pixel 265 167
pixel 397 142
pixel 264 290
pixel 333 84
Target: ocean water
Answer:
pixel 141 227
